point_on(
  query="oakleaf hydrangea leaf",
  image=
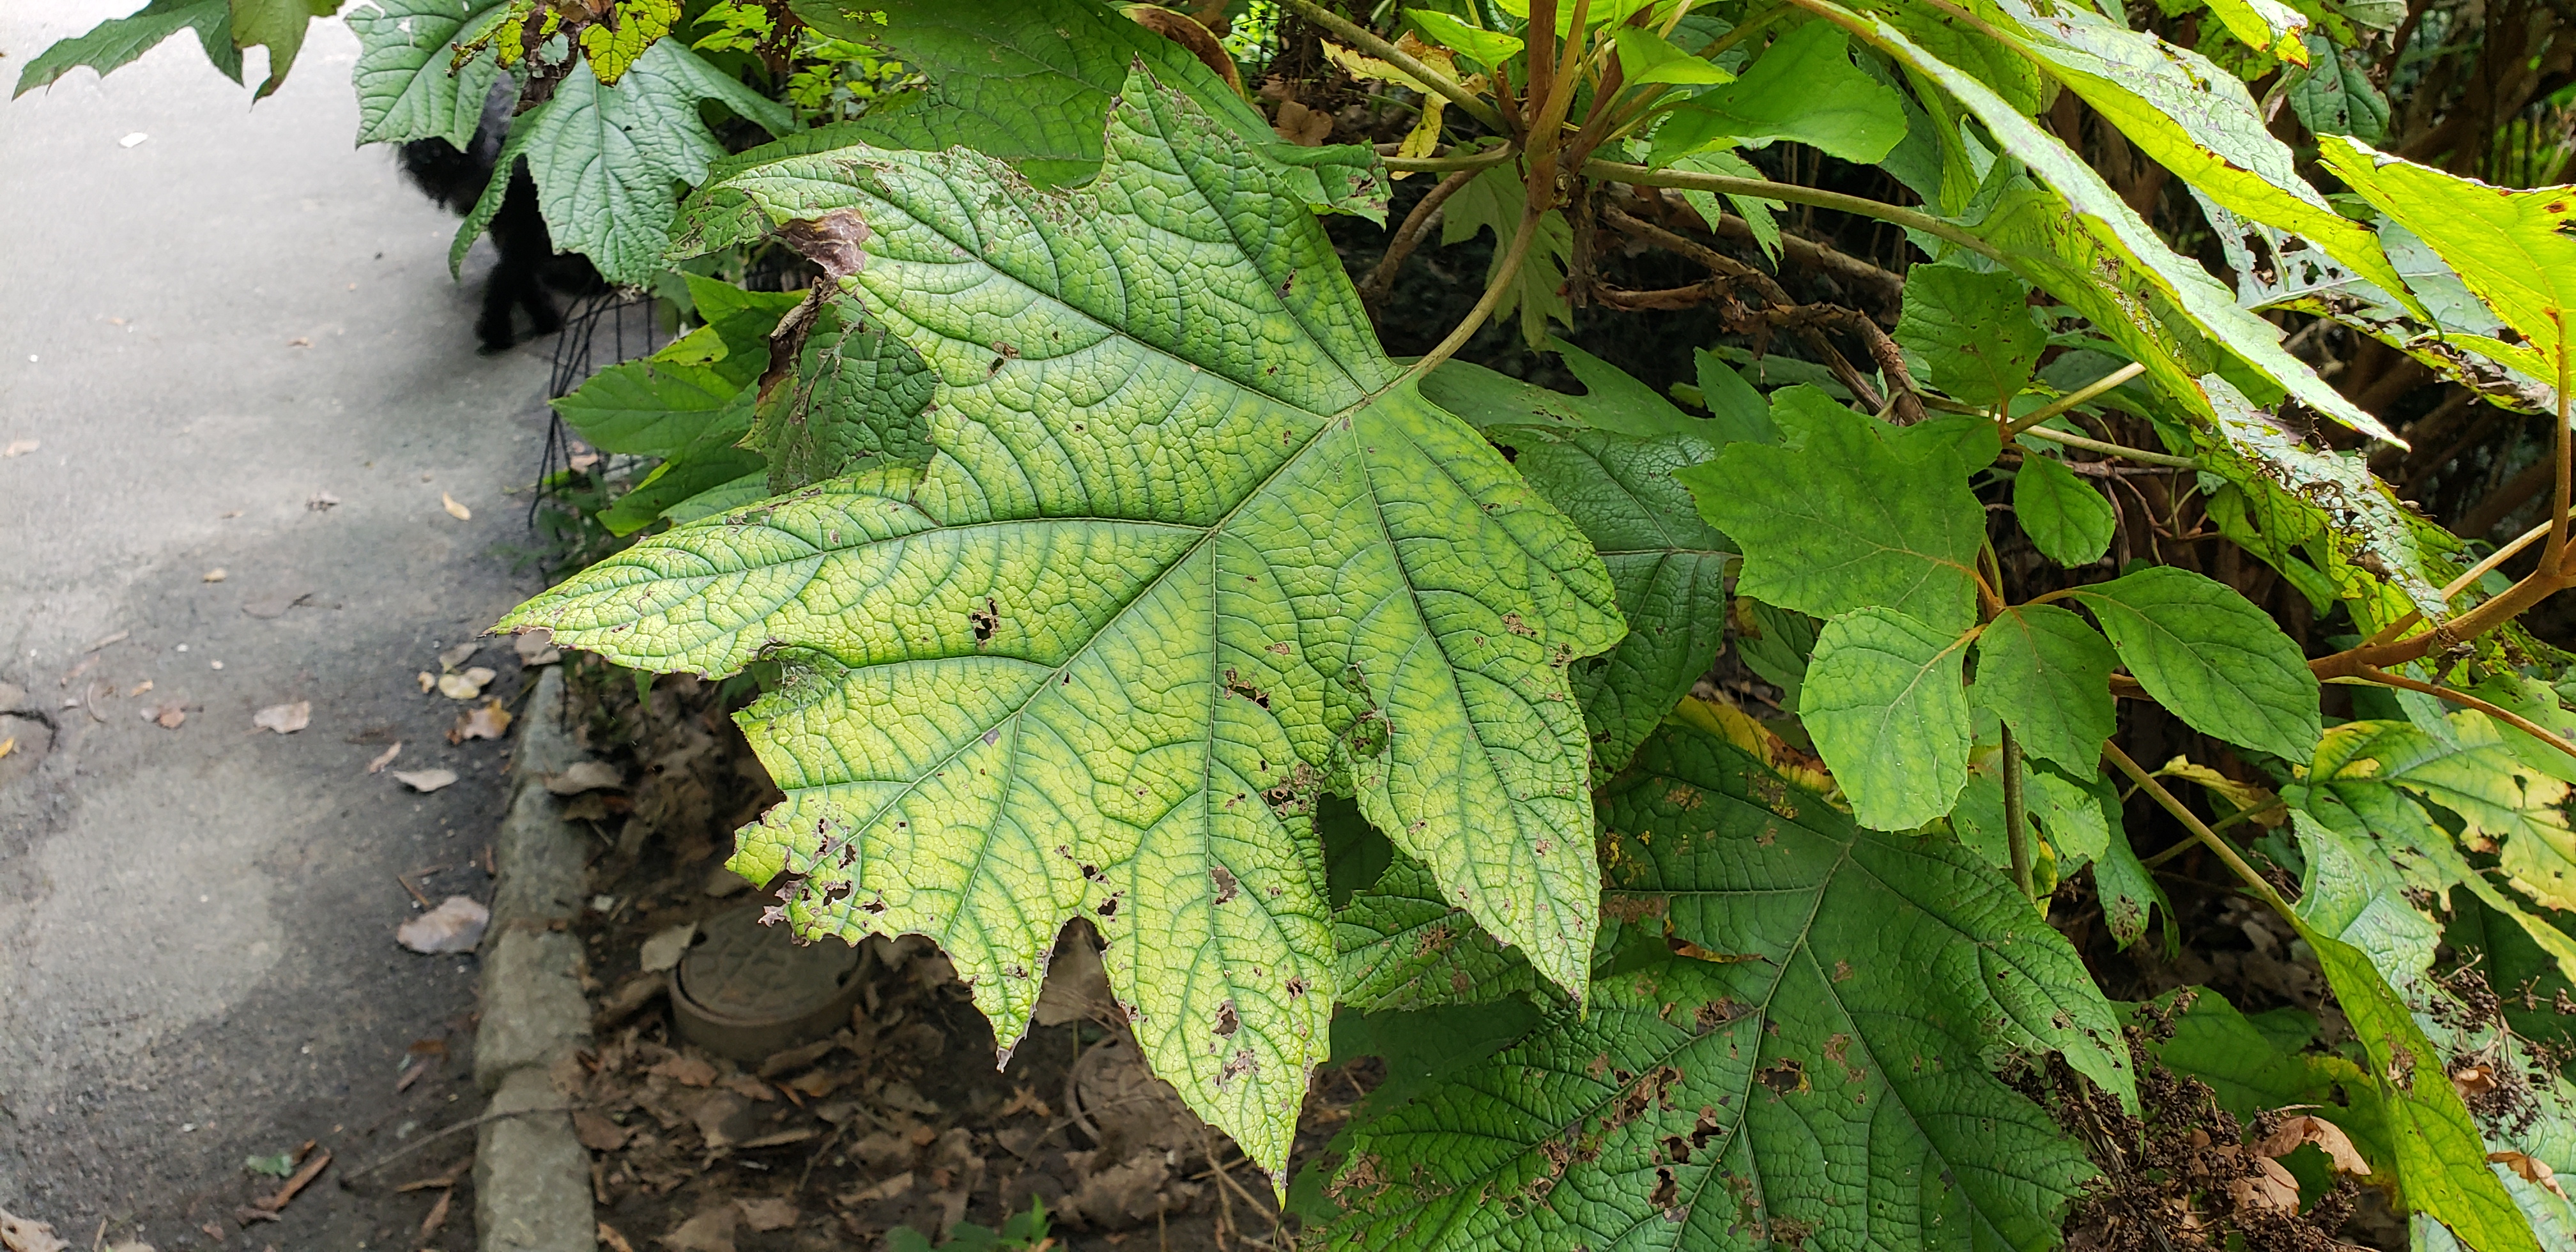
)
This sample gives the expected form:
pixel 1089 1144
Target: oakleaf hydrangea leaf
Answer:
pixel 409 86
pixel 2066 518
pixel 2220 664
pixel 1852 512
pixel 1404 947
pixel 604 157
pixel 1191 550
pixel 2048 676
pixel 1974 329
pixel 116 42
pixel 1815 1072
pixel 1884 700
pixel 838 390
pixel 1670 568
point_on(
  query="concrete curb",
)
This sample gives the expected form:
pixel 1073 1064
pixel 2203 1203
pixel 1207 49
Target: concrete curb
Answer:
pixel 531 1174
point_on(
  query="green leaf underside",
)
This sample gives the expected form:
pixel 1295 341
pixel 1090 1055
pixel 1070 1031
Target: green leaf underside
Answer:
pixel 1883 699
pixel 2047 674
pixel 1855 512
pixel 854 392
pixel 2216 661
pixel 2515 249
pixel 1821 1081
pixel 2107 259
pixel 116 42
pixel 1189 552
pixel 408 87
pixel 2067 520
pixel 605 158
pixel 1669 567
pixel 1493 201
pixel 2193 118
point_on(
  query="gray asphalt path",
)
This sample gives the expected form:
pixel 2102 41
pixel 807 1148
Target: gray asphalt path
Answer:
pixel 202 336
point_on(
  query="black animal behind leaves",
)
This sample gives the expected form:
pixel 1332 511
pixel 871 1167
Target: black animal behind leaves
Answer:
pixel 530 272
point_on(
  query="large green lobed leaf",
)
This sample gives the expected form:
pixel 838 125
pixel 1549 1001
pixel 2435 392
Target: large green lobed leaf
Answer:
pixel 409 86
pixel 1191 550
pixel 1816 1076
pixel 116 42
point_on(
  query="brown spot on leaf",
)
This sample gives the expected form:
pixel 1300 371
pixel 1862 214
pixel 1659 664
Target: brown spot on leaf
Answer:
pixel 1227 1020
pixel 836 242
pixel 1226 886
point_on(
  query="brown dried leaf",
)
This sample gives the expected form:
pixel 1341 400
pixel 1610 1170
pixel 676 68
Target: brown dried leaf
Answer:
pixel 597 1133
pixel 710 1231
pixel 485 721
pixel 425 779
pixel 585 776
pixel 385 758
pixel 769 1213
pixel 2329 1138
pixel 686 1069
pixel 285 719
pixel 2532 1169
pixel 536 647
pixel 456 925
pixel 2275 1188
pixel 19 1234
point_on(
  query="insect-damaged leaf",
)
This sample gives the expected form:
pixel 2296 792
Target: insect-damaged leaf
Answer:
pixel 1847 992
pixel 1188 547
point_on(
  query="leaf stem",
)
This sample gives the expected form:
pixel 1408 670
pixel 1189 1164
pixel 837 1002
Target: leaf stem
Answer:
pixel 1409 236
pixel 2140 455
pixel 1692 180
pixel 2463 582
pixel 1361 38
pixel 1470 163
pixel 2076 397
pixel 2554 556
pixel 2200 830
pixel 2016 833
pixel 2496 711
pixel 1505 273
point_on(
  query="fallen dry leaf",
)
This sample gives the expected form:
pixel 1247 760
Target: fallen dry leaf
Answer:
pixel 613 1241
pixel 385 758
pixel 8 745
pixel 596 1132
pixel 456 925
pixel 455 510
pixel 212 576
pixel 1302 126
pixel 458 655
pixel 2329 1138
pixel 536 647
pixel 768 1213
pixel 686 1069
pixel 709 1231
pixel 285 719
pixel 467 685
pixel 138 688
pixel 666 947
pixel 485 721
pixel 19 447
pixel 882 1189
pixel 168 715
pixel 18 1234
pixel 585 776
pixel 749 1088
pixel 428 682
pixel 2531 1168
pixel 424 779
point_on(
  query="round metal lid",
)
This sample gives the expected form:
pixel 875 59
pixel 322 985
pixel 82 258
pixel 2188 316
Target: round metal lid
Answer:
pixel 745 972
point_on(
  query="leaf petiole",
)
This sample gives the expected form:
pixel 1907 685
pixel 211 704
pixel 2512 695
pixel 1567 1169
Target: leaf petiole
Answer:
pixel 2074 398
pixel 2200 830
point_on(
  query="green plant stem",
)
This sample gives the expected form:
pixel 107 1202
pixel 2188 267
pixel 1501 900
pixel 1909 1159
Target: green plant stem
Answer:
pixel 2073 398
pixel 2140 455
pixel 1359 37
pixel 1689 180
pixel 2016 831
pixel 2496 711
pixel 1472 162
pixel 1547 126
pixel 1504 274
pixel 2200 830
pixel 2555 555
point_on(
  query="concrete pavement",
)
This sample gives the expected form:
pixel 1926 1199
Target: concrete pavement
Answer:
pixel 204 335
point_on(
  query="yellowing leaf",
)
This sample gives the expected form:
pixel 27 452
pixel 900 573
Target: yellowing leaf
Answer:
pixel 455 510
